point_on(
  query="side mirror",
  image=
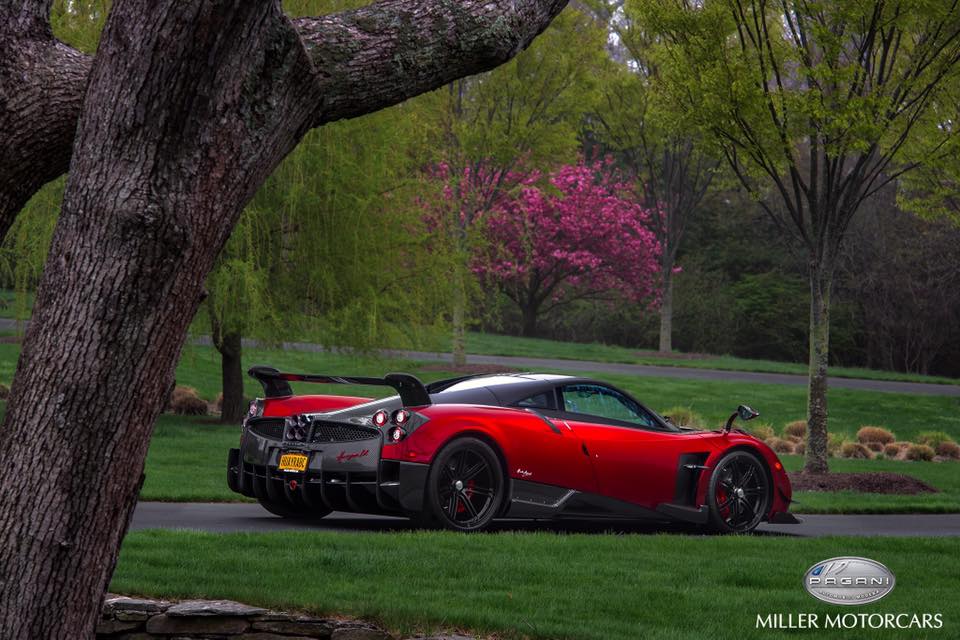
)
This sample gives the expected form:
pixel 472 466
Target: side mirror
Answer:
pixel 744 413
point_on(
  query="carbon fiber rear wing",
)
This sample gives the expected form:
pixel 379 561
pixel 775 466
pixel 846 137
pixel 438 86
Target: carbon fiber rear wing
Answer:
pixel 276 384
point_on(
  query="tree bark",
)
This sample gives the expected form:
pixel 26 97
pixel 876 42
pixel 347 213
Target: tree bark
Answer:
pixel 41 91
pixel 190 105
pixel 821 280
pixel 229 345
pixel 234 406
pixel 666 311
pixel 530 311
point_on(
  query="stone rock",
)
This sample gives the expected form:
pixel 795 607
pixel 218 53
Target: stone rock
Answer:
pixel 357 631
pixel 167 625
pixel 310 628
pixel 122 603
pixel 272 636
pixel 130 616
pixel 110 625
pixel 196 608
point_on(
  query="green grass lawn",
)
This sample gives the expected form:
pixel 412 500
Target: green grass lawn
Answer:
pixel 943 476
pixel 499 345
pixel 540 585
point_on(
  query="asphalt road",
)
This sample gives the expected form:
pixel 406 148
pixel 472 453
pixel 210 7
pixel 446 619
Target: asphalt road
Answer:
pixel 231 517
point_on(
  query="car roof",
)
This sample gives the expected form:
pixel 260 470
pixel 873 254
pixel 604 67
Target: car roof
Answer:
pixel 501 389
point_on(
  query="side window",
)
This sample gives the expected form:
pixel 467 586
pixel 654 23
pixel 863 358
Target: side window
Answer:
pixel 604 402
pixel 538 401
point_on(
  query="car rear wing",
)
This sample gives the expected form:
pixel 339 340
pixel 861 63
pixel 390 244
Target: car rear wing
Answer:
pixel 276 384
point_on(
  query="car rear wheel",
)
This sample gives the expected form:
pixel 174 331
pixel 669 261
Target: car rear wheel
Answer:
pixel 292 511
pixel 466 485
pixel 739 493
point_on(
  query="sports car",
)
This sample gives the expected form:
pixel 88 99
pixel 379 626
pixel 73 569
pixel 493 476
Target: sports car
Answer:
pixel 463 452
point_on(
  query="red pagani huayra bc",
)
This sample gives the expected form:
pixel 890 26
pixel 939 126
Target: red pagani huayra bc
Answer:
pixel 465 451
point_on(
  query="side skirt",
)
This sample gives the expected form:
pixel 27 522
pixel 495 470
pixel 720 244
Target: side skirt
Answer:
pixel 547 502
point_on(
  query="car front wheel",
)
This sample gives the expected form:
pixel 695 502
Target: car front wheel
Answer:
pixel 739 493
pixel 466 485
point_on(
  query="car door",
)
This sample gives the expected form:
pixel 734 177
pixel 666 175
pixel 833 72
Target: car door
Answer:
pixel 554 454
pixel 634 458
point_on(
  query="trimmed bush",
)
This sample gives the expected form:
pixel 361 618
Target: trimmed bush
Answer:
pixel 794 439
pixel 184 401
pixel 892 450
pixel 797 429
pixel 933 438
pixel 761 431
pixel 835 442
pixel 218 403
pixel 874 434
pixel 800 448
pixel 855 450
pixel 949 450
pixel 779 445
pixel 876 447
pixel 920 452
pixel 684 417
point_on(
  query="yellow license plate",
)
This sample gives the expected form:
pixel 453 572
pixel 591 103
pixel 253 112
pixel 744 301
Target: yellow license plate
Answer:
pixel 293 462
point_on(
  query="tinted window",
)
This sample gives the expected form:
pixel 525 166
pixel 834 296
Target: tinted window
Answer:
pixel 538 401
pixel 604 402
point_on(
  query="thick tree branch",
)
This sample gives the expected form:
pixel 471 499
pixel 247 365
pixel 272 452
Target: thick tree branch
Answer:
pixel 42 82
pixel 376 56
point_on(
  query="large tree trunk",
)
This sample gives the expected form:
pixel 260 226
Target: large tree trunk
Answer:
pixel 666 310
pixel 175 136
pixel 529 313
pixel 233 406
pixel 459 319
pixel 190 105
pixel 821 279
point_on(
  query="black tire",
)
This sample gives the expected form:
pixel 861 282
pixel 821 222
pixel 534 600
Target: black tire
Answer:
pixel 739 493
pixel 292 511
pixel 465 486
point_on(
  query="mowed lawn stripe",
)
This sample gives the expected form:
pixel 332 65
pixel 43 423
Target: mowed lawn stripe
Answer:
pixel 542 585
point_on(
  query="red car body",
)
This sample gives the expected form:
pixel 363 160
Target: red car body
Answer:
pixel 556 459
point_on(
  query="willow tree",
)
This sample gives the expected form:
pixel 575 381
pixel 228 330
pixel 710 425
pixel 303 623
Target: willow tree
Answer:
pixel 188 106
pixel 815 108
pixel 526 114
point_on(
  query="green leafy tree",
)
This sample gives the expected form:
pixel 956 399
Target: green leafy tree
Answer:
pixel 815 108
pixel 673 164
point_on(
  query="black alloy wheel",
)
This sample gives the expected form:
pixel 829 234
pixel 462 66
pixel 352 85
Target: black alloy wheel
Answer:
pixel 739 493
pixel 466 485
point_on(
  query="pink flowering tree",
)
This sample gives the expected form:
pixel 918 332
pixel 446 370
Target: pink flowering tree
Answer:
pixel 581 238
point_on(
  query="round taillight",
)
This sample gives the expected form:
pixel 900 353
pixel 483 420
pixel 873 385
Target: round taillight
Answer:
pixel 397 434
pixel 380 418
pixel 401 416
